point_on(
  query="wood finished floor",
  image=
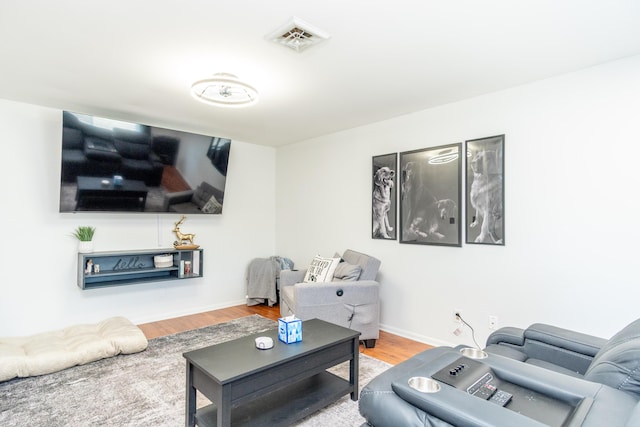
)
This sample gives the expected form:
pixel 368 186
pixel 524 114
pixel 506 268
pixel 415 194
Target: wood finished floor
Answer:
pixel 172 181
pixel 389 348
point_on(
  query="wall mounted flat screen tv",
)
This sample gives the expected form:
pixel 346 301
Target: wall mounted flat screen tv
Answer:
pixel 115 166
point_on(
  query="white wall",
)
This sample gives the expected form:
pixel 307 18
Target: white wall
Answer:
pixel 572 150
pixel 38 289
pixel 571 190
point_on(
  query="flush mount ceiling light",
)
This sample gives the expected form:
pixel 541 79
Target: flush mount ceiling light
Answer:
pixel 444 156
pixel 224 90
pixel 297 35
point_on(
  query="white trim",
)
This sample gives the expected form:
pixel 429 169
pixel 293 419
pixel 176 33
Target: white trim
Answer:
pixel 416 337
pixel 189 312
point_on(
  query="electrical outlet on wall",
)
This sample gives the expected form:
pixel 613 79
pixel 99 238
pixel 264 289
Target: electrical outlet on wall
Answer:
pixel 493 322
pixel 457 319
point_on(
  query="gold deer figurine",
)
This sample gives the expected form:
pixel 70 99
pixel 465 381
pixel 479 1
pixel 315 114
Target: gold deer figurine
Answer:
pixel 182 238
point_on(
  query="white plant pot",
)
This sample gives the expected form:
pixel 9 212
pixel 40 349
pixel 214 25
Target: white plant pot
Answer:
pixel 85 247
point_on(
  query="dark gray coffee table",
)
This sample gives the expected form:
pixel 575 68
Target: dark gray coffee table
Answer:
pixel 93 193
pixel 275 387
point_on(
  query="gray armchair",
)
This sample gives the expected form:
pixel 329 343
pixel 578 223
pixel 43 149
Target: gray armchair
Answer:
pixel 350 303
pixel 206 198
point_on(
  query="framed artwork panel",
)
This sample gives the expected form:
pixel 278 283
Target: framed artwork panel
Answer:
pixel 384 197
pixel 484 222
pixel 430 195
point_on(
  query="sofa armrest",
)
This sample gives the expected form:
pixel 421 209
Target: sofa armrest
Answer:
pixel 291 277
pixel 177 197
pixel 507 335
pixel 554 347
pixel 566 339
pixel 551 336
pixel 355 293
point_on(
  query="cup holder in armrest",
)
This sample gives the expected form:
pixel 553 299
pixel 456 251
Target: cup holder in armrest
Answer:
pixel 424 384
pixel 473 353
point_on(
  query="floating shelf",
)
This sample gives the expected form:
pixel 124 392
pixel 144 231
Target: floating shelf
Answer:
pixel 132 267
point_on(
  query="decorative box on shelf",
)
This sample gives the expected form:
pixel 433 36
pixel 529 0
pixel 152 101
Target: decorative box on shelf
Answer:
pixel 289 329
pixel 163 261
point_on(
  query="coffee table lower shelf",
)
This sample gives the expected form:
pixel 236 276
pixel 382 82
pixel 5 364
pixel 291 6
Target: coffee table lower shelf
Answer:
pixel 284 406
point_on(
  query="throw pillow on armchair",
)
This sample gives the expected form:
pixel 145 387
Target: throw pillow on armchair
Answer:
pixel 321 269
pixel 347 272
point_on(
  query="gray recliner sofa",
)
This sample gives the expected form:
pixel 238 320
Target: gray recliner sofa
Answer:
pixel 614 362
pixel 598 378
pixel 354 304
pixel 92 151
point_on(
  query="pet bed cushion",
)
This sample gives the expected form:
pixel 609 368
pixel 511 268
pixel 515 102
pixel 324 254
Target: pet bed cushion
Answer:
pixel 76 345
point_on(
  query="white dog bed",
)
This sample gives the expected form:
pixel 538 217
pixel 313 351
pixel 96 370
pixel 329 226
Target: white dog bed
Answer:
pixel 76 345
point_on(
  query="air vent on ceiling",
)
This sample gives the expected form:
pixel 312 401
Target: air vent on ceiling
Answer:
pixel 297 35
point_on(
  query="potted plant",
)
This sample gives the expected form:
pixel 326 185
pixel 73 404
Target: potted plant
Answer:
pixel 85 234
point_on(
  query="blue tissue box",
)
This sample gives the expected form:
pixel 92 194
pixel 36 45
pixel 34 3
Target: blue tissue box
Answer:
pixel 289 331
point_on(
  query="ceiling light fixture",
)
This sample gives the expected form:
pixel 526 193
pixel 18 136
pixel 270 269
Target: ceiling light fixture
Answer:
pixel 297 35
pixel 444 156
pixel 224 90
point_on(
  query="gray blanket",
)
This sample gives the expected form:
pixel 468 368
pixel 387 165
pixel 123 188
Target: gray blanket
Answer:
pixel 262 275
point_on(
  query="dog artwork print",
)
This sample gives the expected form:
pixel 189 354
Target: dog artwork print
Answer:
pixel 430 196
pixel 485 191
pixel 422 211
pixel 383 197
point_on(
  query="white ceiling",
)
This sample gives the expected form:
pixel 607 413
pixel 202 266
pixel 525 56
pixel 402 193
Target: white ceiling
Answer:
pixel 136 59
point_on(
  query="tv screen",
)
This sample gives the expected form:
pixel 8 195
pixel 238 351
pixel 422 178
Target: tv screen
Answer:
pixel 116 166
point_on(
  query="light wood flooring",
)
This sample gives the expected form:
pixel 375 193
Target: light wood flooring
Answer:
pixel 172 181
pixel 389 348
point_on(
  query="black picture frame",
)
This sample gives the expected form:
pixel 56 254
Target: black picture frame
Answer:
pixel 484 193
pixel 430 196
pixel 384 197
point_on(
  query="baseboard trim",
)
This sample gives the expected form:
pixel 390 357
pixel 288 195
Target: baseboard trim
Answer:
pixel 186 312
pixel 416 337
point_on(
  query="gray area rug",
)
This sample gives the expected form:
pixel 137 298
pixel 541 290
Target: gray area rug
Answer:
pixel 147 388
